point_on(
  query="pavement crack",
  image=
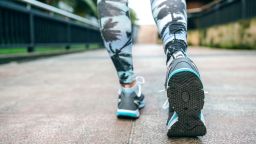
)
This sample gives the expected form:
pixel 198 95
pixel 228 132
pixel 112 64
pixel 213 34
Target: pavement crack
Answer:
pixel 131 133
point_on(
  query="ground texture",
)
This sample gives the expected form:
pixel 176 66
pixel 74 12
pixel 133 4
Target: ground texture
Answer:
pixel 73 98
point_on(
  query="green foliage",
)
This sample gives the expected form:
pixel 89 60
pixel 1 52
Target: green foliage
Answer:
pixel 85 7
pixel 47 49
pixel 50 2
pixel 92 4
pixel 81 7
pixel 133 16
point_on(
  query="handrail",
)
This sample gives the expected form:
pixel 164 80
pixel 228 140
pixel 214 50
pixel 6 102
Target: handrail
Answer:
pixel 204 7
pixel 61 12
pixel 221 12
pixel 26 25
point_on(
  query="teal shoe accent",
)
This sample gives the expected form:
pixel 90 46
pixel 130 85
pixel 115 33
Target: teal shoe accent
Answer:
pixel 142 104
pixel 202 117
pixel 127 113
pixel 173 120
pixel 183 70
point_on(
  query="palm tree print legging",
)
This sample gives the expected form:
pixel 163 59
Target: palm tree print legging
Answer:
pixel 116 30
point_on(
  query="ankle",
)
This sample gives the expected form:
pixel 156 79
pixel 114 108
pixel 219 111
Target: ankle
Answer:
pixel 175 55
pixel 129 85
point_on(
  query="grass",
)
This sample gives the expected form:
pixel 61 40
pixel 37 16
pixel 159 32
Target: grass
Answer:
pixel 46 49
pixel 5 51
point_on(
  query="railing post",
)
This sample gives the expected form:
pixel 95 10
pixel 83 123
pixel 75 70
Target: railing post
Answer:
pixel 243 9
pixel 31 47
pixel 68 35
pixel 86 45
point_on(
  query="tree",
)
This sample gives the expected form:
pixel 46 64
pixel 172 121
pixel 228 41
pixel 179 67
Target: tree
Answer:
pixel 81 7
pixel 89 7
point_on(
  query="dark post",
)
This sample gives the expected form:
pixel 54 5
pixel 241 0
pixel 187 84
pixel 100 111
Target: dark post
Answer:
pixel 243 9
pixel 217 18
pixel 31 47
pixel 68 35
pixel 87 45
pixel 67 47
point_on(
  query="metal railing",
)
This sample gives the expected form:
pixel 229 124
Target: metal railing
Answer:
pixel 221 12
pixel 29 23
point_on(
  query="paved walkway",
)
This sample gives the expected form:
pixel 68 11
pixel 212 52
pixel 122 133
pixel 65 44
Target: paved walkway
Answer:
pixel 72 99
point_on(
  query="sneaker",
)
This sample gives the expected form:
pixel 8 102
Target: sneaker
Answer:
pixel 186 98
pixel 129 104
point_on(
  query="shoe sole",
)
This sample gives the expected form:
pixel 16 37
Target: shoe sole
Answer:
pixel 128 113
pixel 187 99
pixel 123 113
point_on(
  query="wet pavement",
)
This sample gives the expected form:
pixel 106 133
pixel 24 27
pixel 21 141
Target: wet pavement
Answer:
pixel 72 99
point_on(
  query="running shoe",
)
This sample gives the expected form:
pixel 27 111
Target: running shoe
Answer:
pixel 186 98
pixel 129 104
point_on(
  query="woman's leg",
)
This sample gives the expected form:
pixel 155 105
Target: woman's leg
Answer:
pixel 183 83
pixel 116 30
pixel 171 19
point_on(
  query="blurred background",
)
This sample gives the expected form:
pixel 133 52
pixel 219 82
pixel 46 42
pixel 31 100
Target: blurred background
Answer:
pixel 47 26
pixel 72 98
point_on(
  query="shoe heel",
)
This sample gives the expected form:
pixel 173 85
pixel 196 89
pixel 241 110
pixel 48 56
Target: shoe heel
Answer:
pixel 187 99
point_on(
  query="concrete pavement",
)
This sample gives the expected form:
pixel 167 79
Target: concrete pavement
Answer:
pixel 72 99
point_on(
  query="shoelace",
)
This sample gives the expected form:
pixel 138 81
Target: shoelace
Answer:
pixel 166 103
pixel 140 81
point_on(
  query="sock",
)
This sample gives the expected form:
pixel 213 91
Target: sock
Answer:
pixel 130 90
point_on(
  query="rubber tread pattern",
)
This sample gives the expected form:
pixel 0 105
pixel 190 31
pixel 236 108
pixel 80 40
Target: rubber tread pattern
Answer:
pixel 186 96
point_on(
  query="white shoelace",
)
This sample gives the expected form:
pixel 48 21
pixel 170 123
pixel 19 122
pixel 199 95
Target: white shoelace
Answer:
pixel 166 103
pixel 140 81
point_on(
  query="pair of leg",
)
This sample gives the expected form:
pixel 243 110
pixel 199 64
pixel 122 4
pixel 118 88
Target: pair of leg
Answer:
pixel 116 28
pixel 184 88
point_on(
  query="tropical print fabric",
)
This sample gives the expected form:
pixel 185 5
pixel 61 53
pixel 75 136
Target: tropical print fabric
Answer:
pixel 116 30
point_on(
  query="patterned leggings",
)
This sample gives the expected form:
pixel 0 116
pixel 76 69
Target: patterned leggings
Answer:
pixel 116 30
